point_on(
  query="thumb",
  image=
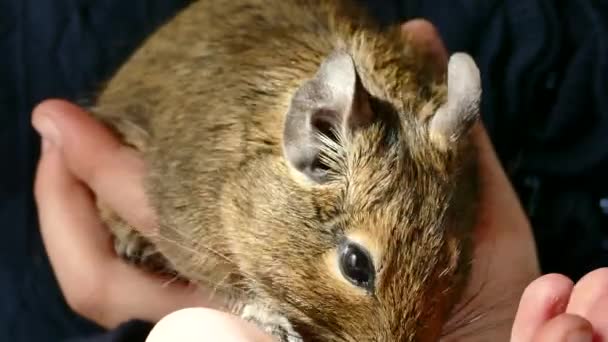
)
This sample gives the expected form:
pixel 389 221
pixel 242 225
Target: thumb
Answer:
pixel 205 325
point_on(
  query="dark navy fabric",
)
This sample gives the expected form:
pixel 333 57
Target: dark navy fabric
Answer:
pixel 49 48
pixel 544 65
pixel 131 331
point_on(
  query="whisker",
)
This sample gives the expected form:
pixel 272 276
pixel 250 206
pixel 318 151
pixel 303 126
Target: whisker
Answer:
pixel 465 310
pixel 476 313
pixel 216 286
pixel 474 319
pixel 242 286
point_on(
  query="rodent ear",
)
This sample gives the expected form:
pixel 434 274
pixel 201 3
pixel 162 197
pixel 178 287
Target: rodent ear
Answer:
pixel 456 117
pixel 332 104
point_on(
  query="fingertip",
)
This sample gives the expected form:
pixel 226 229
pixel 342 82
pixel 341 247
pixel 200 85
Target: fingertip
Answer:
pixel 548 286
pixel 53 105
pixel 545 298
pixel 71 119
pixel 201 324
pixel 426 37
pixel 78 132
pixel 54 110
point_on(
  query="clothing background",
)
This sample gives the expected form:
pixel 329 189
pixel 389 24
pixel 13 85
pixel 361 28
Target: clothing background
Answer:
pixel 545 71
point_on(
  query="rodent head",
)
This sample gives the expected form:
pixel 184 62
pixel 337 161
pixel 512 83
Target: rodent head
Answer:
pixel 363 230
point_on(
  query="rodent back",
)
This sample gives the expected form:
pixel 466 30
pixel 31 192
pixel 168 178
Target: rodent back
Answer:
pixel 210 90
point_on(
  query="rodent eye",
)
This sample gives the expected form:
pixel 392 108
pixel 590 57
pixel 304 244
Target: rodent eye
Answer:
pixel 356 265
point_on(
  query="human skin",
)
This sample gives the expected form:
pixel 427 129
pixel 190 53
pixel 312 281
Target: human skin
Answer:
pixel 101 287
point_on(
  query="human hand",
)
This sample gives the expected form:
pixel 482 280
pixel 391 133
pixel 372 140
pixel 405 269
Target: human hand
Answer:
pixel 79 154
pixel 553 309
pixel 504 260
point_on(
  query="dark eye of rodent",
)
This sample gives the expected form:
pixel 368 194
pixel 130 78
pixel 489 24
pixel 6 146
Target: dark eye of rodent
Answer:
pixel 356 265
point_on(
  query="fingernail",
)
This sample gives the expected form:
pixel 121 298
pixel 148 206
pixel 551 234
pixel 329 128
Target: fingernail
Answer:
pixel 580 336
pixel 47 129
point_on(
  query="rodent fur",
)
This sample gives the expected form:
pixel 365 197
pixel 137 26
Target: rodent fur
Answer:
pixel 205 99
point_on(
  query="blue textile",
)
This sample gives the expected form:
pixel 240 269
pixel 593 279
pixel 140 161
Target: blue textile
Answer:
pixel 49 48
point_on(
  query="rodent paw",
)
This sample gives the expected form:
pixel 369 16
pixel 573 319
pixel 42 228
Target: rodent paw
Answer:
pixel 133 248
pixel 137 250
pixel 272 323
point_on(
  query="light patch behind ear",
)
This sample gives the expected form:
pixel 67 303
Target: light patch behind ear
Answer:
pixel 332 101
pixel 456 117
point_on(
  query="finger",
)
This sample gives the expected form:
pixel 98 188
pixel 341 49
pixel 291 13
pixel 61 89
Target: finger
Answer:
pixel 75 244
pixel 501 221
pixel 68 223
pixel 488 160
pixel 590 300
pixel 425 36
pixel 565 328
pixel 498 198
pixel 95 282
pixel 543 299
pixel 205 325
pixel 114 172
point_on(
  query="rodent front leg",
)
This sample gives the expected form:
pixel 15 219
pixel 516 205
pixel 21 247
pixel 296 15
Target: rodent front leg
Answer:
pixel 132 246
pixel 272 323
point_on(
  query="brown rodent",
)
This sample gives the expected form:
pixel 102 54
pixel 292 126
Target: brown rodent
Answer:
pixel 305 163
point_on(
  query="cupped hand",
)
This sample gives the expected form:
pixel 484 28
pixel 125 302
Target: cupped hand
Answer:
pixel 79 155
pixel 507 296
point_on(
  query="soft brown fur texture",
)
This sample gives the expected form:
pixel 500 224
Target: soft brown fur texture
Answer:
pixel 205 99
